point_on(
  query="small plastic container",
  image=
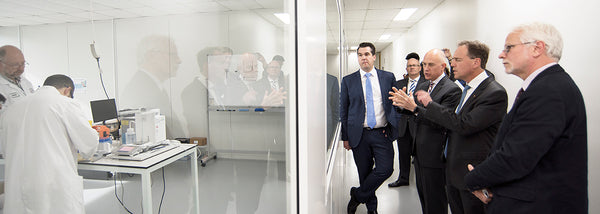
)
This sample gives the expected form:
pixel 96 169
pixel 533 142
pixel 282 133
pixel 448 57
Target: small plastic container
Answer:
pixel 104 145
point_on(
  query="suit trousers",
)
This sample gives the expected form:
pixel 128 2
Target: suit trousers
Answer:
pixel 431 184
pixel 463 202
pixel 404 153
pixel 375 148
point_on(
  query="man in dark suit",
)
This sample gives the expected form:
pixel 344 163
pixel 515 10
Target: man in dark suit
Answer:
pixel 430 138
pixel 368 126
pixel 273 82
pixel 473 124
pixel 538 163
pixel 406 128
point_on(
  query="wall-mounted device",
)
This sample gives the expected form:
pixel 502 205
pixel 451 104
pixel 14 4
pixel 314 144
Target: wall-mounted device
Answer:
pixel 93 50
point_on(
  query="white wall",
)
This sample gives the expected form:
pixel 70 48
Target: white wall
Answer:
pixel 491 21
pixel 64 48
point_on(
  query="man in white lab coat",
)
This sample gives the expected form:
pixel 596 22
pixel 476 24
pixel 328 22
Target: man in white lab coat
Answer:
pixel 12 84
pixel 39 138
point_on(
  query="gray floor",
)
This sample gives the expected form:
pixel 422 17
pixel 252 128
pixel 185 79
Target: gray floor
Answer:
pixel 226 186
pixel 241 186
pixel 403 199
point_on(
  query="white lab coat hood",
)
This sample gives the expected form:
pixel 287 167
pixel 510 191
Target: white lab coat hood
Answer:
pixel 39 138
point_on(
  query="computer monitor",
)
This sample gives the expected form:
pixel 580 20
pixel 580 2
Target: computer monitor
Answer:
pixel 103 110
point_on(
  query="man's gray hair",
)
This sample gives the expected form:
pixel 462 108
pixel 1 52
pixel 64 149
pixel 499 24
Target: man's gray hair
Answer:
pixel 543 32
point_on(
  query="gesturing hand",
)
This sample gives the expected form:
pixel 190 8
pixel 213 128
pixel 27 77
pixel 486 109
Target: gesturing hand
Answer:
pixel 401 99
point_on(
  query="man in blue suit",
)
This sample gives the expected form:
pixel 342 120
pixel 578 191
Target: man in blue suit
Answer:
pixel 368 126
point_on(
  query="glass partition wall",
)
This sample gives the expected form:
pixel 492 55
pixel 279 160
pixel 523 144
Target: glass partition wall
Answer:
pixel 223 76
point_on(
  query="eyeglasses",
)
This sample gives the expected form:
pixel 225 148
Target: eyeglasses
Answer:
pixel 508 47
pixel 413 66
pixel 15 65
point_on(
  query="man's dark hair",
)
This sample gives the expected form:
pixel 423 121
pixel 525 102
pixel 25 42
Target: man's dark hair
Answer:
pixel 367 44
pixel 60 81
pixel 2 53
pixel 278 58
pixel 413 55
pixel 477 49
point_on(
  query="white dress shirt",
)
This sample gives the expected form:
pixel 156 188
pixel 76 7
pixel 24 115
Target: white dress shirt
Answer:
pixel 377 99
pixel 475 82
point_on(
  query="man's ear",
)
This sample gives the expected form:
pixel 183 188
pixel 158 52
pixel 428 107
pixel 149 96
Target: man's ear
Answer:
pixel 539 48
pixel 66 91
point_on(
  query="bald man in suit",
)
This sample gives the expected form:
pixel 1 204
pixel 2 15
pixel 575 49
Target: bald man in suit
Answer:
pixel 430 137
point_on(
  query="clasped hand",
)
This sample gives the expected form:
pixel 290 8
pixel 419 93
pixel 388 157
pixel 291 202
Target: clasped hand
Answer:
pixel 407 101
pixel 482 194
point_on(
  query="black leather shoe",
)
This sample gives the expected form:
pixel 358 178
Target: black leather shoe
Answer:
pixel 372 212
pixel 352 204
pixel 398 183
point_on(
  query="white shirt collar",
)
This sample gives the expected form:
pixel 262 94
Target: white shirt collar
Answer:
pixel 415 79
pixel 373 73
pixel 436 81
pixel 475 82
pixel 532 76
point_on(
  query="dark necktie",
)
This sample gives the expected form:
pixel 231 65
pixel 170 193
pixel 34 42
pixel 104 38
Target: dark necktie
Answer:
pixel 519 94
pixel 430 87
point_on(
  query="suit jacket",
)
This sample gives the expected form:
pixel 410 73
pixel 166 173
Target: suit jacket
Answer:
pixel 352 106
pixel 263 86
pixel 473 130
pixel 143 92
pixel 405 120
pixel 430 137
pixel 539 160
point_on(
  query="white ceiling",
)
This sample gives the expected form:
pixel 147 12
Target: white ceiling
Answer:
pixel 364 20
pixel 367 20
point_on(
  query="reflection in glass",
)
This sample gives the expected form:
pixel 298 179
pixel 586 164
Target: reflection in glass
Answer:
pixel 157 61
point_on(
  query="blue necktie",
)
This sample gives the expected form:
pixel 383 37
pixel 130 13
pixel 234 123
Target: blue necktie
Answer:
pixel 371 122
pixel 462 99
pixel 412 86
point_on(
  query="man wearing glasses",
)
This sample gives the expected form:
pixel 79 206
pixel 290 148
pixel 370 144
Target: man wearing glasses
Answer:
pixel 539 161
pixel 12 65
pixel 406 129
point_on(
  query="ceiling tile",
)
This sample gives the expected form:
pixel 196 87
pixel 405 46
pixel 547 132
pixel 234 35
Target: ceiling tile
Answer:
pixel 386 4
pixel 355 15
pixel 205 7
pixel 118 13
pixel 378 15
pixel 355 4
pixel 376 24
pixel 353 25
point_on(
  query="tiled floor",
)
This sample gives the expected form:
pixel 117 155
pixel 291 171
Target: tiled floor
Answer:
pixel 396 200
pixel 243 186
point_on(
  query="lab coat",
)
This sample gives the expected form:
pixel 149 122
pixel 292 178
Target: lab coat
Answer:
pixel 40 136
pixel 12 92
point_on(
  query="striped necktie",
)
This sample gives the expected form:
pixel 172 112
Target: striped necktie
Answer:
pixel 412 86
pixel 430 87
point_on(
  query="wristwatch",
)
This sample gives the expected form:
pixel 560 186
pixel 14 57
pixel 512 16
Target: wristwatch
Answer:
pixel 416 111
